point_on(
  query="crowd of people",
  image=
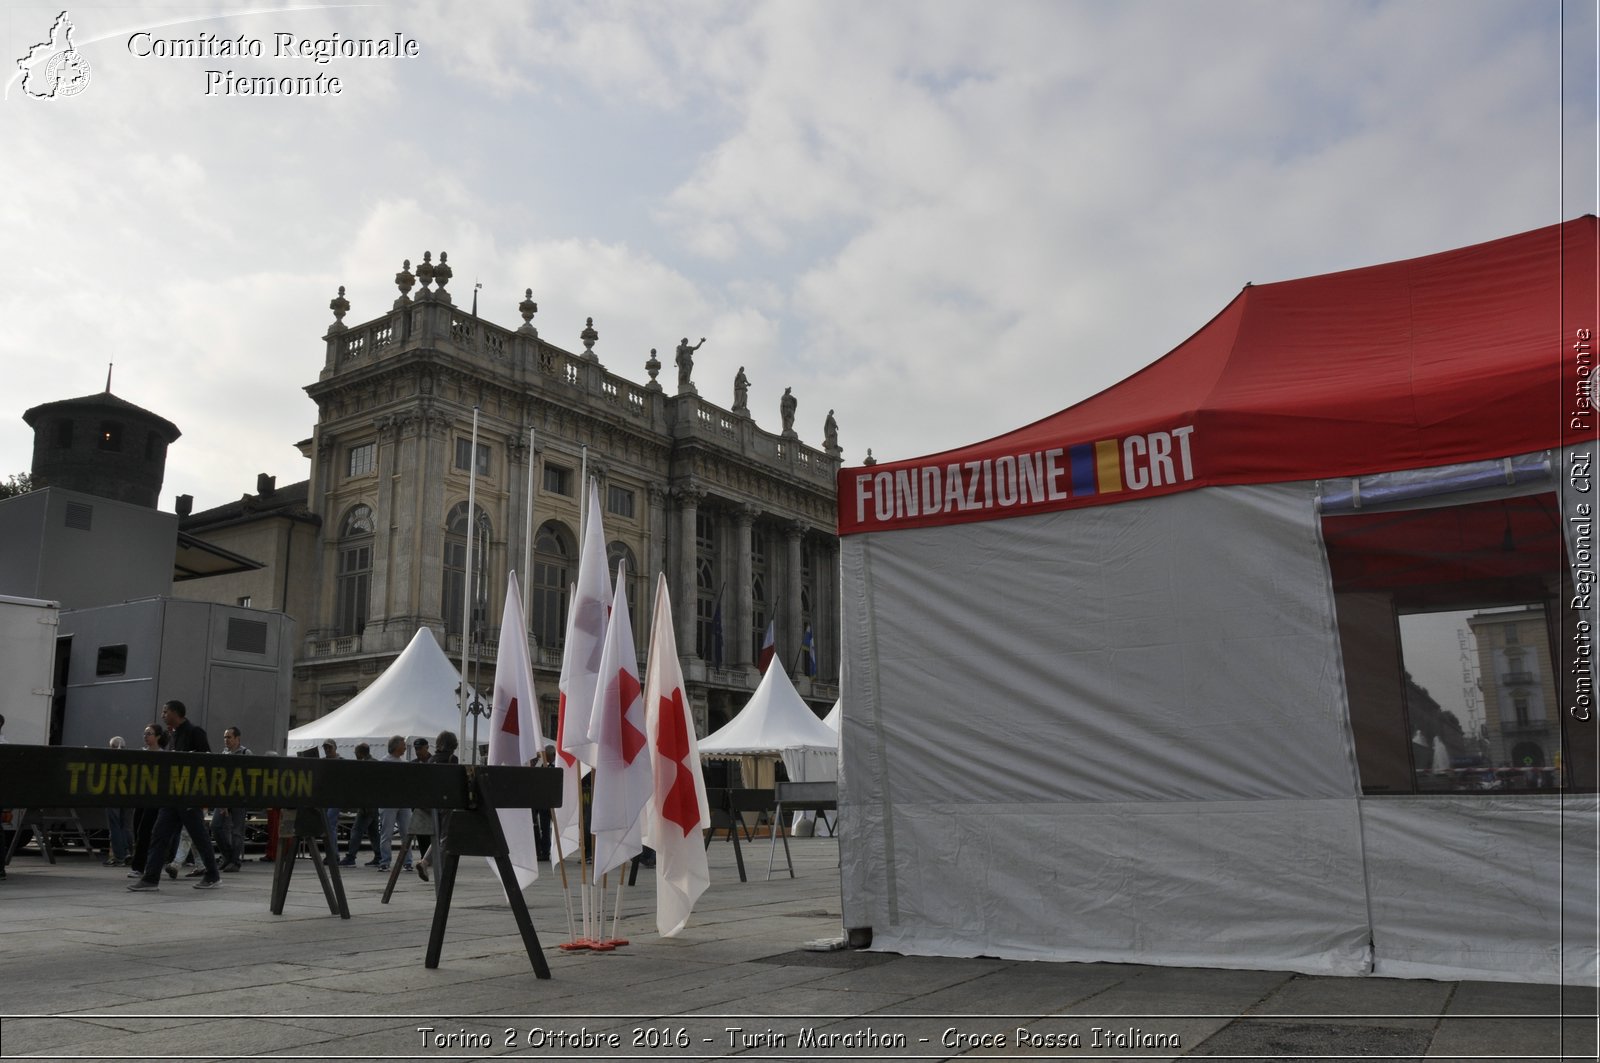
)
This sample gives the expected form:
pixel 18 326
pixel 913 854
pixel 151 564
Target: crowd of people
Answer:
pixel 183 842
pixel 205 844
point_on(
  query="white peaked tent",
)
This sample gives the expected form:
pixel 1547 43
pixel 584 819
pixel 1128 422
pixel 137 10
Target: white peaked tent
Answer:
pixel 415 696
pixel 776 722
pixel 832 719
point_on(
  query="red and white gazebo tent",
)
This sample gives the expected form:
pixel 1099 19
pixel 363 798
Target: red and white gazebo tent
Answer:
pixel 1125 683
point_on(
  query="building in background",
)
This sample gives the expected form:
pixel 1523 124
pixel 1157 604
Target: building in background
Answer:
pixel 1517 680
pixel 128 638
pixel 375 543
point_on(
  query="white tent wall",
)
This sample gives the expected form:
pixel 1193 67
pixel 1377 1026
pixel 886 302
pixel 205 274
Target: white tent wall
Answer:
pixel 1122 733
pixel 1471 887
pixel 1113 733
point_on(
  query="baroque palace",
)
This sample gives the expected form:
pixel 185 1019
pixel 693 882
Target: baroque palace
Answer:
pixel 374 545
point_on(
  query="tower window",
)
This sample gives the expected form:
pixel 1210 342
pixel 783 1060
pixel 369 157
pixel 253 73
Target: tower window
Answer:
pixel 619 500
pixel 464 456
pixel 354 580
pixel 110 436
pixel 557 480
pixel 64 434
pixel 363 459
pixel 553 552
pixel 453 593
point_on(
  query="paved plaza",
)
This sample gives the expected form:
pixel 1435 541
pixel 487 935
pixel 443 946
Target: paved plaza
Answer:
pixel 95 972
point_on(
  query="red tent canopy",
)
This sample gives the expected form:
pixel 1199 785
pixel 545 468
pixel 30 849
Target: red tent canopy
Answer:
pixel 1459 356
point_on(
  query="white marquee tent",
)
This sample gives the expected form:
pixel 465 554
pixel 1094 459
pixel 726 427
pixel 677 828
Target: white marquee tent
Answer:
pixel 415 696
pixel 776 722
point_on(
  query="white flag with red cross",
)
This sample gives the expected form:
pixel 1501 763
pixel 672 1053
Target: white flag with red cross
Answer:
pixel 678 810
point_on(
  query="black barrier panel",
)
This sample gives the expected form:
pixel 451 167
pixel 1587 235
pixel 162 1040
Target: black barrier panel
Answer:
pixel 808 796
pixel 63 777
pixel 751 800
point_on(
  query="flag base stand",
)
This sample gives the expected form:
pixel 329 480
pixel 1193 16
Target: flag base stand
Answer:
pixel 592 945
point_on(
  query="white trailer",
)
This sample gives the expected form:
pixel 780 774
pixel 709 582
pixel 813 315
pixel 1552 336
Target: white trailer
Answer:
pixel 28 629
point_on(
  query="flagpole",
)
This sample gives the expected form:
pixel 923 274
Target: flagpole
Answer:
pixel 466 590
pixel 599 944
pixel 616 918
pixel 566 890
pixel 587 887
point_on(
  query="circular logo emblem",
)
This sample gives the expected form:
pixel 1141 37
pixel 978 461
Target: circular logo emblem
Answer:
pixel 66 73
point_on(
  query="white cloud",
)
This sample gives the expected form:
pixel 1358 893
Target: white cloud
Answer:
pixel 942 219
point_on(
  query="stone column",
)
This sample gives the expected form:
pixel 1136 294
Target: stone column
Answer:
pixel 321 486
pixel 380 602
pixel 402 533
pixel 736 604
pixel 656 534
pixel 789 631
pixel 686 603
pixel 516 531
pixel 434 454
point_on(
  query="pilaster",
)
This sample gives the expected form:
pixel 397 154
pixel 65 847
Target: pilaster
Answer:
pixel 737 620
pixel 689 495
pixel 788 635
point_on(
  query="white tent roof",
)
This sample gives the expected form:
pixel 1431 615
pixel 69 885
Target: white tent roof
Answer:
pixel 414 696
pixel 832 719
pixel 774 720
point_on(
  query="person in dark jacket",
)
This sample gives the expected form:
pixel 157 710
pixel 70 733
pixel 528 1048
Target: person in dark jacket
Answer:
pixel 144 819
pixel 185 738
pixel 444 752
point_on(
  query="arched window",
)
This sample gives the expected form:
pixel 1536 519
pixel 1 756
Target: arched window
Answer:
pixel 618 551
pixel 353 584
pixel 455 570
pixel 553 551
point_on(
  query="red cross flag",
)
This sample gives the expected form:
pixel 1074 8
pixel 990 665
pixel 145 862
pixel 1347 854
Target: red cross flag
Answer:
pixel 580 669
pixel 514 737
pixel 617 730
pixel 679 811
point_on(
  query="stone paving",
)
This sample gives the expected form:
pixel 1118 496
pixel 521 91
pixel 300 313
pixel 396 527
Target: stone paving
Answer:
pixel 93 972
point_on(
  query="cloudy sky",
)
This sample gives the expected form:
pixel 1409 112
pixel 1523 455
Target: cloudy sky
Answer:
pixel 943 218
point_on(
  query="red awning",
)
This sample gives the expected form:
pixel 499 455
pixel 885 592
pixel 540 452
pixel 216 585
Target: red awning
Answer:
pixel 1460 356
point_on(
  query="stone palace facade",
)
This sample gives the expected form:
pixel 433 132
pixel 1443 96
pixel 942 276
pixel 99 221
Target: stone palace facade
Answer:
pixel 375 543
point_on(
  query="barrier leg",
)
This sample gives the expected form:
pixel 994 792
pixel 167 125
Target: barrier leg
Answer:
pixel 327 865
